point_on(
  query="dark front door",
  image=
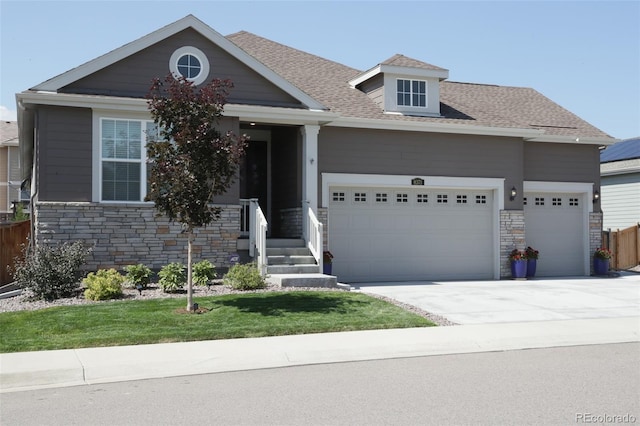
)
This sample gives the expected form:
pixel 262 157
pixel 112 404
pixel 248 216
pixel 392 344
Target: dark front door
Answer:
pixel 254 176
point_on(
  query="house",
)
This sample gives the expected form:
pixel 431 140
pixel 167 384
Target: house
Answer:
pixel 620 183
pixel 399 172
pixel 9 169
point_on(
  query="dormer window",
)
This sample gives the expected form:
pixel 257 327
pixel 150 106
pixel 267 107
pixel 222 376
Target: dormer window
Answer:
pixel 412 93
pixel 403 86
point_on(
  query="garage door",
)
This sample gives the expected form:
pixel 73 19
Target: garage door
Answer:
pixel 555 226
pixel 383 234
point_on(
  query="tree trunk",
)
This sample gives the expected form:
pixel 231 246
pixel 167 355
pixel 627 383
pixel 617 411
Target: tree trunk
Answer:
pixel 189 273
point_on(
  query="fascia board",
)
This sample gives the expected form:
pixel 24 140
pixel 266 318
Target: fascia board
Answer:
pixel 256 113
pixel 573 140
pixel 189 21
pixel 424 126
pixel 415 72
pixel 365 76
pixel 620 167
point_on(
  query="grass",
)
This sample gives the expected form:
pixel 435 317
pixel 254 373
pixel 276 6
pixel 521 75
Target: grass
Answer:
pixel 229 316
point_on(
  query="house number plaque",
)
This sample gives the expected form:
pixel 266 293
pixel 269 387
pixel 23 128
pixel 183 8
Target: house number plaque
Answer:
pixel 417 181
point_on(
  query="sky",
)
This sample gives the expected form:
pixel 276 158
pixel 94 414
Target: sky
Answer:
pixel 583 55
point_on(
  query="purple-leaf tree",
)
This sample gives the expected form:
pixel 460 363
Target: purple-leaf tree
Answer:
pixel 191 162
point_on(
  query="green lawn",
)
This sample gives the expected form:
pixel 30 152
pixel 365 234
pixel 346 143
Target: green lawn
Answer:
pixel 230 316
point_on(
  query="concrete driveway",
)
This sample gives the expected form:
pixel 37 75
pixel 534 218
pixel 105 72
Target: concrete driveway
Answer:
pixel 540 299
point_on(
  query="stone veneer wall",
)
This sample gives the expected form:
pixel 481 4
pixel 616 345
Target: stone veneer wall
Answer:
pixel 125 234
pixel 595 235
pixel 323 217
pixel 512 236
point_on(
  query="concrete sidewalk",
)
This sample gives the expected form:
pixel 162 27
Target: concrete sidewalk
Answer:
pixel 33 370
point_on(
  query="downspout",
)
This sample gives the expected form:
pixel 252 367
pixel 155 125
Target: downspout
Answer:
pixel 27 137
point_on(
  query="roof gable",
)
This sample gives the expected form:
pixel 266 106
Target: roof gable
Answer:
pixel 68 78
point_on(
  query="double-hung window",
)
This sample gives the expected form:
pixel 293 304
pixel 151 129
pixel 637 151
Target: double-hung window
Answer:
pixel 123 158
pixel 412 93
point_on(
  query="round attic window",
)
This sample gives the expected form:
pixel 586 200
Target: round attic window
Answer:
pixel 190 63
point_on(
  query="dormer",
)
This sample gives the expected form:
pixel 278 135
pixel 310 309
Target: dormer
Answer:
pixel 402 85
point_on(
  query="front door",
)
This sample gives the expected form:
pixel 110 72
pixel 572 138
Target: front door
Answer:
pixel 254 175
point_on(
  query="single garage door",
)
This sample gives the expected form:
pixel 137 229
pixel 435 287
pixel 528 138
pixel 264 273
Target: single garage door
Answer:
pixel 385 234
pixel 555 226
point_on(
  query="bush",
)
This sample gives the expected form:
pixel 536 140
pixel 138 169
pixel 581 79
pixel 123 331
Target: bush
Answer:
pixel 203 272
pixel 172 277
pixel 244 277
pixel 104 284
pixel 138 275
pixel 52 272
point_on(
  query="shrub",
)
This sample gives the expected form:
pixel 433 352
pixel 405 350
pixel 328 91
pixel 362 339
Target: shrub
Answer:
pixel 203 272
pixel 104 284
pixel 138 275
pixel 172 277
pixel 52 272
pixel 244 277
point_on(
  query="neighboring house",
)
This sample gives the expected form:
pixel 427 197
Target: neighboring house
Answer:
pixel 413 176
pixel 620 183
pixel 9 168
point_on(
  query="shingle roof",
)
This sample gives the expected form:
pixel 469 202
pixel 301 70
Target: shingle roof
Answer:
pixel 404 61
pixel 8 132
pixel 461 103
pixel 623 150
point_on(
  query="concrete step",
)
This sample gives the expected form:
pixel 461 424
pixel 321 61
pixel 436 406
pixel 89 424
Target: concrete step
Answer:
pixel 288 251
pixel 291 260
pixel 284 242
pixel 292 269
pixel 303 280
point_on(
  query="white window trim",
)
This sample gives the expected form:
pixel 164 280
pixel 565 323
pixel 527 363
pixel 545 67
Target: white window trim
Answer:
pixel 193 51
pixel 96 186
pixel 411 93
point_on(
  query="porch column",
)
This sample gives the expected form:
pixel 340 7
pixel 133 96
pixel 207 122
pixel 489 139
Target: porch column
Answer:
pixel 310 167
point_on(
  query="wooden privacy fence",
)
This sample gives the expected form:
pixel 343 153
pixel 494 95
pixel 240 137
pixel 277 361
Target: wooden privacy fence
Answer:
pixel 12 236
pixel 624 245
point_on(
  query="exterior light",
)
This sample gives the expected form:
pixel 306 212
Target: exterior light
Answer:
pixel 596 196
pixel 514 192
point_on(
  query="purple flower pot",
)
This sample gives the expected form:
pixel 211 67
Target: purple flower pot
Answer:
pixel 600 266
pixel 518 268
pixel 531 267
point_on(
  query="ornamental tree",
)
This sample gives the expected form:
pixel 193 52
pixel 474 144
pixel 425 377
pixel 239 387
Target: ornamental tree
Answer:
pixel 192 161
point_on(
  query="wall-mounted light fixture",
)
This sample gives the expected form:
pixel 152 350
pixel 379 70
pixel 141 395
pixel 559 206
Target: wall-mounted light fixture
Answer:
pixel 596 196
pixel 514 192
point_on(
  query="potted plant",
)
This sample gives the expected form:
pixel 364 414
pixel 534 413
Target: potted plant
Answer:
pixel 532 261
pixel 518 261
pixel 601 259
pixel 327 259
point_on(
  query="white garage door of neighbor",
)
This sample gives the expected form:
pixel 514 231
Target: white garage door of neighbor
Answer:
pixel 555 226
pixel 384 234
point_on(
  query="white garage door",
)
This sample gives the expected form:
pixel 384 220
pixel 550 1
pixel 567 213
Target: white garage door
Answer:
pixel 555 226
pixel 383 234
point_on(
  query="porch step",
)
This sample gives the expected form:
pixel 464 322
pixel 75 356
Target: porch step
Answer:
pixel 288 251
pixel 286 259
pixel 291 269
pixel 284 242
pixel 303 280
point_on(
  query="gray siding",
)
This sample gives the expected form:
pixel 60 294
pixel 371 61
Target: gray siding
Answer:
pixel 64 153
pixel 561 162
pixel 232 196
pixel 132 76
pixel 374 88
pixel 410 153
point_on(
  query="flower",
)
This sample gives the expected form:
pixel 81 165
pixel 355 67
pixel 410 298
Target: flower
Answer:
pixel 532 253
pixel 327 257
pixel 517 255
pixel 602 253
